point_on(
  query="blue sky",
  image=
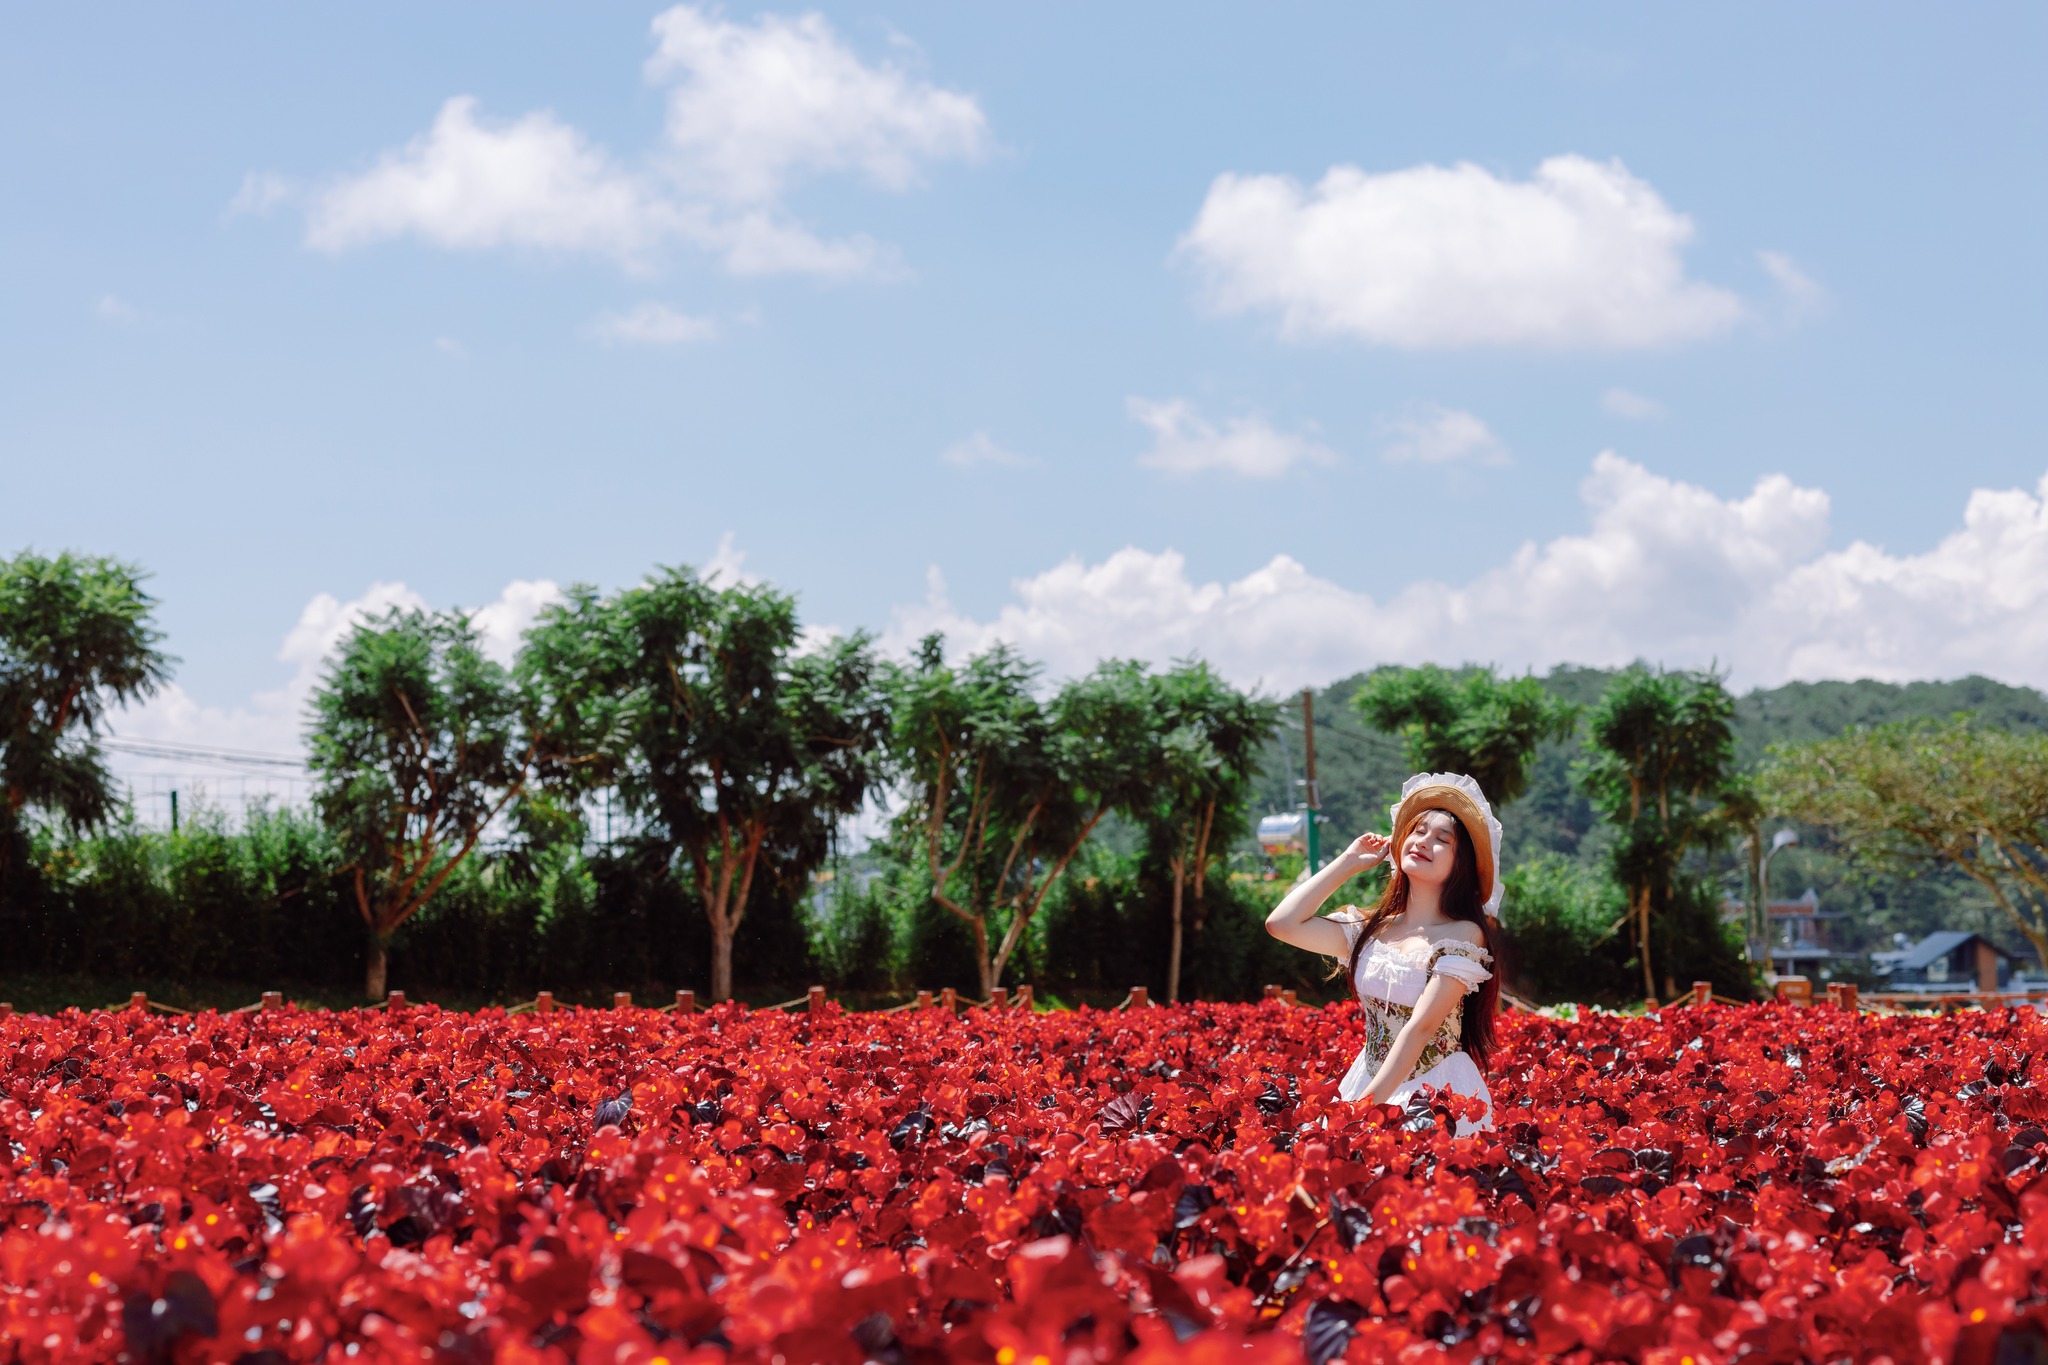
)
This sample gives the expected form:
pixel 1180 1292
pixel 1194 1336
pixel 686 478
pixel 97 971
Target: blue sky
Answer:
pixel 1293 335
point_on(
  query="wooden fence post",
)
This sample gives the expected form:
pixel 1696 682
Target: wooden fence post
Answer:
pixel 1795 990
pixel 139 1001
pixel 544 1002
pixel 1140 996
pixel 6 1009
pixel 1287 998
pixel 1024 998
pixel 686 1002
pixel 949 1000
pixel 1842 995
pixel 817 1000
pixel 1987 968
pixel 1272 992
pixel 622 1000
pixel 1702 994
pixel 393 1001
pixel 999 998
pixel 924 1000
pixel 274 1000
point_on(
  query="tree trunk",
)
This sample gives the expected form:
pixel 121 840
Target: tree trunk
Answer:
pixel 376 980
pixel 721 958
pixel 1649 979
pixel 982 962
pixel 2035 933
pixel 1173 958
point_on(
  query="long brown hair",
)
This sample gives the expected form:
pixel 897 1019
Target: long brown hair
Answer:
pixel 1461 900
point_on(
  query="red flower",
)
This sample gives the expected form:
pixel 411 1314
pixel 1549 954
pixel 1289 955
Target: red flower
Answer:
pixel 1164 1184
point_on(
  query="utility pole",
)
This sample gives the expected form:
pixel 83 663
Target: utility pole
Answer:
pixel 1313 800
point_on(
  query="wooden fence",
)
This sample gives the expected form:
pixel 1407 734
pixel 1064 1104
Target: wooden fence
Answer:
pixel 1790 990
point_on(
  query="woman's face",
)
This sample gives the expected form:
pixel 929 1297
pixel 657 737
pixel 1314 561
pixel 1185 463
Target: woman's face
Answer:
pixel 1431 848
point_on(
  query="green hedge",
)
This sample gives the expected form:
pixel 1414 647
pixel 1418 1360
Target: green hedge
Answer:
pixel 263 904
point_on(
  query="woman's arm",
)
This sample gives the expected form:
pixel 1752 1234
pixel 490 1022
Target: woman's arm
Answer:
pixel 1294 919
pixel 1442 995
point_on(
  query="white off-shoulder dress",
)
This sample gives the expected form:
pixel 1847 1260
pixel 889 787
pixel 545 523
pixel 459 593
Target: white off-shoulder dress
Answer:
pixel 1389 981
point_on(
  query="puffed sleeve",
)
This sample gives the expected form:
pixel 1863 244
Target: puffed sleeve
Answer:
pixel 1351 920
pixel 1464 963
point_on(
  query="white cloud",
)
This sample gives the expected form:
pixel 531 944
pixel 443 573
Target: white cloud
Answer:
pixel 1977 602
pixel 272 721
pixel 764 244
pixel 1666 571
pixel 1804 296
pixel 1635 406
pixel 114 310
pixel 1581 254
pixel 1440 435
pixel 728 564
pixel 1184 442
pixel 500 624
pixel 466 184
pixel 978 449
pixel 652 324
pixel 260 193
pixel 752 108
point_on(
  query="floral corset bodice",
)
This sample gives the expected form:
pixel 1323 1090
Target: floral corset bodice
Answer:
pixel 1390 979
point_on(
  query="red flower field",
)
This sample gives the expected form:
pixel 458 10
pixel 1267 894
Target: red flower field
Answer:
pixel 1163 1184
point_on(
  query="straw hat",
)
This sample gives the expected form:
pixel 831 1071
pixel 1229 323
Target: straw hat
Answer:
pixel 1460 795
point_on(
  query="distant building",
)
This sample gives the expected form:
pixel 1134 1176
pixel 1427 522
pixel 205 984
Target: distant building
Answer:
pixel 1286 832
pixel 1951 960
pixel 1799 938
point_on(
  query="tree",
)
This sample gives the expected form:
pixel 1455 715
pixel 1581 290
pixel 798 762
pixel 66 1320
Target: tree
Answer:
pixel 1003 789
pixel 416 748
pixel 1470 722
pixel 1659 767
pixel 76 637
pixel 730 748
pixel 1207 736
pixel 1911 796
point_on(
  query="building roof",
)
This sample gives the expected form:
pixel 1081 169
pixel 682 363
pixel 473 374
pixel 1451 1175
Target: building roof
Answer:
pixel 1939 944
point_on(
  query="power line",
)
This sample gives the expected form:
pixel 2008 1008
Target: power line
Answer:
pixel 1322 725
pixel 203 753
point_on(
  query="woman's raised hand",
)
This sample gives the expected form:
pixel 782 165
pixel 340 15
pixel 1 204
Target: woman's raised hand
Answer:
pixel 1367 849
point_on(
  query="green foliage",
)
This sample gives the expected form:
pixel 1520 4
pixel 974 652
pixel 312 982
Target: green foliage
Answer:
pixel 415 748
pixel 262 904
pixel 1206 737
pixel 1915 796
pixel 211 901
pixel 1059 836
pixel 723 743
pixel 76 636
pixel 1567 931
pixel 1693 941
pixel 1003 790
pixel 1566 924
pixel 1659 766
pixel 1102 931
pixel 855 936
pixel 1470 722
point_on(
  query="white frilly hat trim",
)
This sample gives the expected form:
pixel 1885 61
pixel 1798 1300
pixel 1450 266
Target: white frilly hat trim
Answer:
pixel 1493 831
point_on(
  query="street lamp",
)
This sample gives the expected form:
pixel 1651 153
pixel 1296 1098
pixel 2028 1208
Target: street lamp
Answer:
pixel 1783 839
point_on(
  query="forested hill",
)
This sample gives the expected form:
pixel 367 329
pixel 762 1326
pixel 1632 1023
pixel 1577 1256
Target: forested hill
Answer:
pixel 1360 769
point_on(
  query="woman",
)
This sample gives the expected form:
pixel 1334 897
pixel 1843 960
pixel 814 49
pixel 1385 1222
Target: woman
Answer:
pixel 1419 959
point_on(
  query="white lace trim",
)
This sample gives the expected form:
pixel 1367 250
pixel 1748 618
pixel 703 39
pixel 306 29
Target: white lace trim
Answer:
pixel 1405 966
